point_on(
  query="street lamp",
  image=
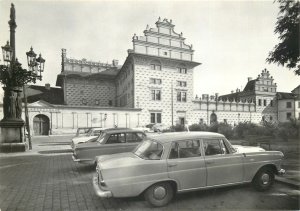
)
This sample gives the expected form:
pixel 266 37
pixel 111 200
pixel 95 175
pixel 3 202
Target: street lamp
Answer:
pixel 7 52
pixel 35 64
pixel 14 77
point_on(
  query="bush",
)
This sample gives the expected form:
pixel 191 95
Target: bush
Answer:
pixel 226 130
pixel 288 130
pixel 178 128
pixel 243 129
pixel 198 127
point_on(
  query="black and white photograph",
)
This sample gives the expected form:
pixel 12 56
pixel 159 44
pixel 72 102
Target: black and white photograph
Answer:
pixel 155 104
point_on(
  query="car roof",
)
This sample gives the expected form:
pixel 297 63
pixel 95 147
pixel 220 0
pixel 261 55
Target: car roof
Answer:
pixel 176 136
pixel 120 130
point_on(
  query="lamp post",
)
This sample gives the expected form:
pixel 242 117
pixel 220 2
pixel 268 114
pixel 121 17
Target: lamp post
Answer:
pixel 14 77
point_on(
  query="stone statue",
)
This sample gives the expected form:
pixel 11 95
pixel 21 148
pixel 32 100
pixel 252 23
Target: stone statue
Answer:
pixel 19 105
pixel 12 12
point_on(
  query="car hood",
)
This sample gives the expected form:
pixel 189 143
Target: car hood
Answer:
pixel 82 139
pixel 118 160
pixel 246 149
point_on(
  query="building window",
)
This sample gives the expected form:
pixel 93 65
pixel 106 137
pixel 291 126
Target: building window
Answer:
pixel 288 104
pixel 155 94
pixel 155 118
pixel 288 115
pixel 155 81
pixel 271 103
pixel 110 102
pixel 271 118
pixel 181 83
pixel 165 53
pixel 259 102
pixel 182 70
pixel 265 102
pixel 181 96
pixel 97 102
pixel 155 67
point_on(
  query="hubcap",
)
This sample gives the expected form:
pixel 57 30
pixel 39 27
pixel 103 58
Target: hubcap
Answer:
pixel 265 178
pixel 159 192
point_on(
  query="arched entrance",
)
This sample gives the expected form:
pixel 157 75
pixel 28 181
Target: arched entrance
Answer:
pixel 213 118
pixel 41 125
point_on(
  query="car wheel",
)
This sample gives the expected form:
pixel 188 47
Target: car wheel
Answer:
pixel 159 194
pixel 264 179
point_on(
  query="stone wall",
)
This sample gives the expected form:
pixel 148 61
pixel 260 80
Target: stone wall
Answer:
pixel 64 119
pixel 169 76
pixel 89 92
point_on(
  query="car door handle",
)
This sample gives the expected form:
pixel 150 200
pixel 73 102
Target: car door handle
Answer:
pixel 210 162
pixel 172 165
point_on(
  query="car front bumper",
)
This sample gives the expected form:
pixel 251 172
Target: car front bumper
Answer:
pixel 99 192
pixel 81 160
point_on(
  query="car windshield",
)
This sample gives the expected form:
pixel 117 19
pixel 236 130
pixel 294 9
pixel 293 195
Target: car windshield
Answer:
pixel 149 150
pixel 101 138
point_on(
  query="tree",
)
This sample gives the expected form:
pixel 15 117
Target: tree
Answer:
pixel 16 76
pixel 287 26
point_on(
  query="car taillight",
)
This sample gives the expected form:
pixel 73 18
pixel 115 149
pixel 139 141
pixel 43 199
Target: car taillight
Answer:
pixel 100 177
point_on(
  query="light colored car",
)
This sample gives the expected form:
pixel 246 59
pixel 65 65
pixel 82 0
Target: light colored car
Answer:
pixel 159 127
pixel 141 128
pixel 90 134
pixel 111 141
pixel 171 163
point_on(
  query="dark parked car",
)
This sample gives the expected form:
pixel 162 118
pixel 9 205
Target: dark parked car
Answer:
pixel 110 142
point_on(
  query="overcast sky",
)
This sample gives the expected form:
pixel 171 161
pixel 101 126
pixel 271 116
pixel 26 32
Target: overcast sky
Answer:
pixel 231 38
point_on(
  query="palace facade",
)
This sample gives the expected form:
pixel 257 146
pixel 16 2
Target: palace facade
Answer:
pixel 154 85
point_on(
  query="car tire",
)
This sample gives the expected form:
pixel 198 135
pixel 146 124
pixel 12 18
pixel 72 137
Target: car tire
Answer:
pixel 263 179
pixel 159 194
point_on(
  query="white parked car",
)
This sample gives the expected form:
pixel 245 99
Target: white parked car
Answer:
pixel 171 163
pixel 143 129
pixel 92 133
pixel 159 127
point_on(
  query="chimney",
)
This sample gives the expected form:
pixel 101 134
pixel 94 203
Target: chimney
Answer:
pixel 115 62
pixel 47 86
pixel 63 59
pixel 249 79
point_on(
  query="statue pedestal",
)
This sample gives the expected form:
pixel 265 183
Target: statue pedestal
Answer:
pixel 12 137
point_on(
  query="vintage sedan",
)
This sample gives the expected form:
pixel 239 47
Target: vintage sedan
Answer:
pixel 179 162
pixel 91 133
pixel 110 141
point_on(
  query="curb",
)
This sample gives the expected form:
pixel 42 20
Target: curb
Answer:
pixel 287 181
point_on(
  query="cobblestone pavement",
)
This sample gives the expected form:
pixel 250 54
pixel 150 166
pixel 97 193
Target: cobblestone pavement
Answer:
pixel 46 178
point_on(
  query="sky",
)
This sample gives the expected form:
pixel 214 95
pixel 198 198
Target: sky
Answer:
pixel 232 39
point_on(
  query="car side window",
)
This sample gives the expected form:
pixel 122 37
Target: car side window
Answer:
pixel 185 149
pixel 214 147
pixel 133 137
pixel 116 138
